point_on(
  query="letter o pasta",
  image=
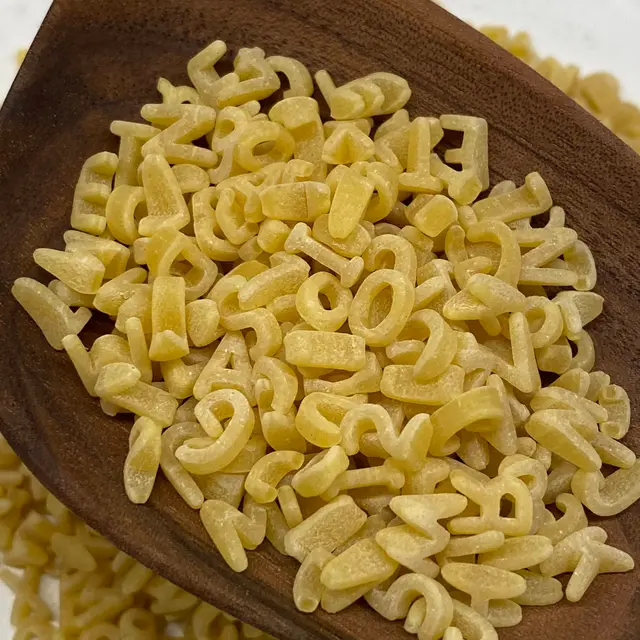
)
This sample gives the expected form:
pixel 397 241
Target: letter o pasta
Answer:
pixel 403 296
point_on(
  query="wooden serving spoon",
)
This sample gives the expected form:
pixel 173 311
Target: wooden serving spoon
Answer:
pixel 95 61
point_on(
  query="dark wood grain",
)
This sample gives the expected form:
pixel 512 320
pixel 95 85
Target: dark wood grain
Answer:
pixel 94 61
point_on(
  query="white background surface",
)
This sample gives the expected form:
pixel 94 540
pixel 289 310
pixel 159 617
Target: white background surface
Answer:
pixel 593 34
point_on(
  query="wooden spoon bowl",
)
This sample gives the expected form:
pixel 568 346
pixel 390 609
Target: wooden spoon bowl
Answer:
pixel 95 61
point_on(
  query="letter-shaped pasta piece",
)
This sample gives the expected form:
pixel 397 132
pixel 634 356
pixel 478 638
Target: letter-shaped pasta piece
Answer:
pixel 478 409
pixel 504 437
pixel 69 296
pixel 265 326
pixel 202 319
pixel 528 200
pixel 229 367
pixel 417 178
pixel 120 384
pixel 575 380
pixel 488 497
pixel 395 603
pixel 307 587
pixel 483 583
pixel 143 459
pixel 258 133
pixel 607 496
pixel 567 435
pixel 209 236
pixel 432 215
pixel 288 501
pixel 249 454
pixel 584 554
pixel 471 623
pixel 538 263
pixel 385 185
pixel 227 403
pixel 440 347
pixel 177 94
pixel 462 186
pixel 559 398
pixel 112 254
pixel 265 474
pixel 335 601
pixel 578 309
pixel 390 327
pixel 350 201
pixel 280 280
pixel 398 383
pixel 272 235
pixel 320 472
pixel 319 416
pixel 391 252
pixel 112 295
pixel 295 201
pixel 473 155
pixel 545 321
pixel 329 527
pixel 324 349
pixel 464 306
pixel 232 531
pixel 167 247
pixel 191 178
pixel 522 373
pixel 389 475
pixel 82 361
pixel 616 402
pixel 498 232
pixel 310 307
pixel 202 73
pixel 165 203
pixel 531 472
pixel 362 563
pixel 367 380
pixel 231 217
pixel 122 211
pixel 408 448
pixel 580 261
pixel 186 123
pixel 347 144
pixel 255 79
pixel 92 192
pixel 395 90
pixel 283 380
pixel 300 240
pixel 300 116
pixel 169 339
pixel 410 544
pixel 132 136
pixel 300 80
pixel 392 147
pixel 499 296
pixel 278 428
pixel 518 553
pixel 80 270
pixel 574 519
pixel 54 318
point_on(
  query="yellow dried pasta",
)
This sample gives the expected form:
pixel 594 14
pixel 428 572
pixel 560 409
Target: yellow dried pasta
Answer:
pixel 330 336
